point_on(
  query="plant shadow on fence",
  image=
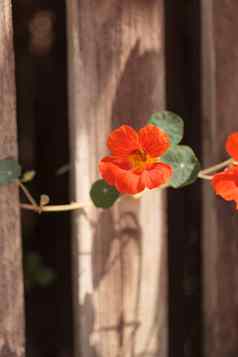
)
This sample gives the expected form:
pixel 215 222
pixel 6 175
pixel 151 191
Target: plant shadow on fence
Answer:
pixel 112 312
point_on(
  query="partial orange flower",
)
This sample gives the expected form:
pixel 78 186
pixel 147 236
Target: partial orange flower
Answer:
pixel 225 183
pixel 232 145
pixel 134 162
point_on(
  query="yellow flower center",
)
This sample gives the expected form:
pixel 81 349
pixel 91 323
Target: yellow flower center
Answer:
pixel 140 160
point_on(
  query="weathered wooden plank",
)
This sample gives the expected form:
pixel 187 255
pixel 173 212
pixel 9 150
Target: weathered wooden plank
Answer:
pixel 11 292
pixel 116 75
pixel 220 248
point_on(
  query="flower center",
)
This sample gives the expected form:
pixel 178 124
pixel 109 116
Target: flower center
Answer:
pixel 140 160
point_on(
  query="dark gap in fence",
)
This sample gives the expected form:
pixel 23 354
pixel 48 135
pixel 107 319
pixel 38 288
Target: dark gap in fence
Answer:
pixel 184 222
pixel 40 44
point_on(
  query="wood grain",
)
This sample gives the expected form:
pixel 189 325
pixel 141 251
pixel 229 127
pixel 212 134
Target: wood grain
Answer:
pixel 11 292
pixel 116 75
pixel 220 243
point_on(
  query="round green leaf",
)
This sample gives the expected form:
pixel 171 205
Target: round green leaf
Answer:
pixel 185 165
pixel 36 272
pixel 10 171
pixel 103 195
pixel 171 123
pixel 44 276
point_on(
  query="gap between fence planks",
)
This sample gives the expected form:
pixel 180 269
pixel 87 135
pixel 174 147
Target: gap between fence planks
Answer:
pixel 220 242
pixel 116 76
pixel 11 291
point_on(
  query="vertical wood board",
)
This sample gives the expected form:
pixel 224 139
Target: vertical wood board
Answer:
pixel 11 292
pixel 116 76
pixel 220 244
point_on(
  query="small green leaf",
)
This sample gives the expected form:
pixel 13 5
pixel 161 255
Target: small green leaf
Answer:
pixel 103 195
pixel 171 123
pixel 44 276
pixel 185 165
pixel 36 272
pixel 28 176
pixel 10 171
pixel 63 169
pixel 33 261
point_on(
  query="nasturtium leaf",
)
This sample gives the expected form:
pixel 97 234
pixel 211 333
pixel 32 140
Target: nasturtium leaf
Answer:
pixel 44 277
pixel 184 163
pixel 10 171
pixel 103 195
pixel 170 123
pixel 36 271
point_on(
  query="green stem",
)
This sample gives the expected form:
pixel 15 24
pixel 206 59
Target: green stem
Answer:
pixel 33 206
pixel 55 208
pixel 216 167
pixel 204 177
pixel 27 194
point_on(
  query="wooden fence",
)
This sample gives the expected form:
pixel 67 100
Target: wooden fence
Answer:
pixel 116 71
pixel 220 245
pixel 11 292
pixel 125 61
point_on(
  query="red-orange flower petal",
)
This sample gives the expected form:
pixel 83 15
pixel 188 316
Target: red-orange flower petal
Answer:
pixel 225 184
pixel 153 140
pixel 109 170
pixel 128 182
pixel 123 141
pixel 232 145
pixel 157 176
pixel 133 165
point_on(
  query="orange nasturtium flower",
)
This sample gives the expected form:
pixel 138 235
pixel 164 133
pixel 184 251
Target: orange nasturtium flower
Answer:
pixel 134 163
pixel 225 183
